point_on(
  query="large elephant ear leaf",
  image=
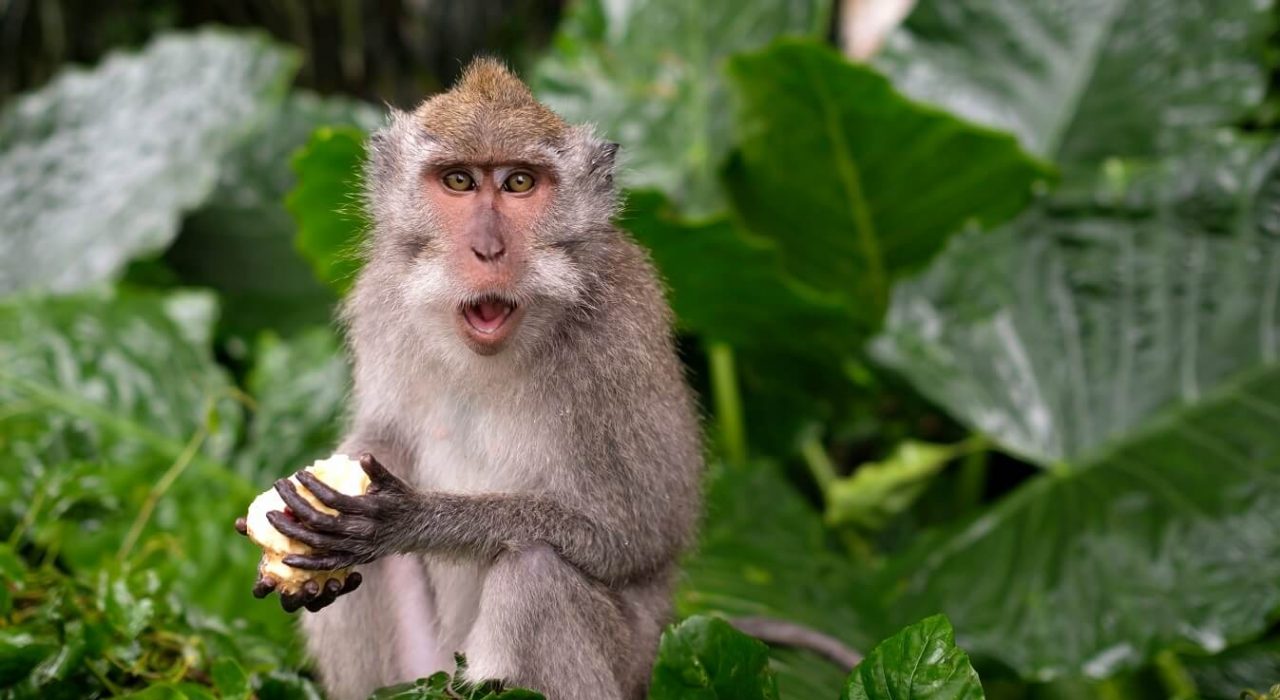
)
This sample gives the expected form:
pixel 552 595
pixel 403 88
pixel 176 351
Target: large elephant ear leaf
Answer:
pixel 648 73
pixel 841 172
pixel 100 165
pixel 1131 343
pixel 1084 80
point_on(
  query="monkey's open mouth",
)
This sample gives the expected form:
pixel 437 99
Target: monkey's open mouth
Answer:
pixel 488 315
pixel 486 322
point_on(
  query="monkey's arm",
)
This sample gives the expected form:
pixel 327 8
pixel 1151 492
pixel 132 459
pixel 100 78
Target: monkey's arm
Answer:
pixel 393 518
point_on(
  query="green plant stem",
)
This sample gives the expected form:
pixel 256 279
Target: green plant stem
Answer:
pixel 972 481
pixel 819 462
pixel 162 486
pixel 728 403
pixel 1173 675
pixel 28 518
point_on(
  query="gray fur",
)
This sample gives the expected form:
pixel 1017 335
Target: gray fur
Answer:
pixel 555 484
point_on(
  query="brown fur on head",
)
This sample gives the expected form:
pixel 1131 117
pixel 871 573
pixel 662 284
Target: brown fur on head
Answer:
pixel 440 255
pixel 489 113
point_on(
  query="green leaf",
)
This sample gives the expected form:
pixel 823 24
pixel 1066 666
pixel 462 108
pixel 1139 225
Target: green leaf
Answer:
pixel 300 388
pixel 442 686
pixel 230 679
pixel 841 172
pixel 1224 676
pixel 101 164
pixel 12 567
pixel 1132 343
pixel 286 685
pixel 241 241
pixel 20 652
pixel 108 376
pixel 705 658
pixel 1081 81
pixel 327 204
pixel 1071 327
pixel 726 286
pixel 160 691
pixel 125 612
pixel 922 662
pixel 648 73
pixel 764 552
pixel 877 491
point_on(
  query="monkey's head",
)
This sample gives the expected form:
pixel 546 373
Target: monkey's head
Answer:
pixel 490 211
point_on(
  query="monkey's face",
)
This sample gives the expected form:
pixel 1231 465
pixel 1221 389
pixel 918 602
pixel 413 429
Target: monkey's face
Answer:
pixel 474 248
pixel 487 221
pixel 493 218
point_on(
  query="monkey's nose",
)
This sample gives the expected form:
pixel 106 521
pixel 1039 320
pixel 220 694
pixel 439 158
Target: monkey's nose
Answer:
pixel 489 253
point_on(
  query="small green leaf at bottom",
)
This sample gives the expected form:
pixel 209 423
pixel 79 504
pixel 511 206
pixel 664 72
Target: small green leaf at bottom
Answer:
pixel 442 686
pixel 922 662
pixel 705 658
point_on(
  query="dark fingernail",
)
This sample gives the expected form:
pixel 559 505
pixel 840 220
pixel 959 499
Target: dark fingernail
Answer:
pixel 333 586
pixel 242 526
pixel 263 587
pixel 311 588
pixel 354 579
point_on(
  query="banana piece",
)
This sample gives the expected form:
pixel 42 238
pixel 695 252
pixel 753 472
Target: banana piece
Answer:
pixel 339 472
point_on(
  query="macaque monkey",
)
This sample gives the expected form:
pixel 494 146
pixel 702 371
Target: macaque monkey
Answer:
pixel 518 404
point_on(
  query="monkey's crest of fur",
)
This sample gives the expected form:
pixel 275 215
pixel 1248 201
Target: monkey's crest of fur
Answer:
pixel 490 106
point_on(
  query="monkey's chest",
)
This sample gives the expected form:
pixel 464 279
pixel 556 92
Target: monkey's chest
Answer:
pixel 465 448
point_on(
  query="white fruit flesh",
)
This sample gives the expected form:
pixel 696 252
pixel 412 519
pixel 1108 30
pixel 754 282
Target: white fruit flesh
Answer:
pixel 339 472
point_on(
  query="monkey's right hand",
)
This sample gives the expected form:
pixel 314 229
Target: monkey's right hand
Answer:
pixel 311 595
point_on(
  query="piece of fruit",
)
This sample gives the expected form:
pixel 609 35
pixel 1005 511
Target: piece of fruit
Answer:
pixel 342 474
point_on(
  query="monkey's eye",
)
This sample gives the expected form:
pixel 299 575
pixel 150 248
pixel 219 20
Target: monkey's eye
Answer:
pixel 518 182
pixel 458 181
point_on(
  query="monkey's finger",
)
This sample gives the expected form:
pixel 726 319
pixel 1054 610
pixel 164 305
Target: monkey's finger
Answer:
pixel 332 589
pixel 263 587
pixel 354 579
pixel 330 497
pixel 304 511
pixel 292 529
pixel 242 526
pixel 378 474
pixel 321 562
pixel 292 601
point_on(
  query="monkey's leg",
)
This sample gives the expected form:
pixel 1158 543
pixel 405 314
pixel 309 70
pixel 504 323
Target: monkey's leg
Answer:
pixel 380 634
pixel 543 625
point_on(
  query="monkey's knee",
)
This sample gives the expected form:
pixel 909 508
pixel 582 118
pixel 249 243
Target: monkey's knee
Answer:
pixel 544 625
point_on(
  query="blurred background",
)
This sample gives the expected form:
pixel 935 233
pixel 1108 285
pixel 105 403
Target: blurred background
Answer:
pixel 981 299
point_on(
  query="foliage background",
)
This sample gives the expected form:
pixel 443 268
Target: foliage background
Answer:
pixel 988 325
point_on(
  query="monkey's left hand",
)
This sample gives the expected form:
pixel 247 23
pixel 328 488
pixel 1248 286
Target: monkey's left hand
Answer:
pixel 366 528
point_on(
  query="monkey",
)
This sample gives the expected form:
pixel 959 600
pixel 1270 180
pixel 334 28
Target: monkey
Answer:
pixel 533 447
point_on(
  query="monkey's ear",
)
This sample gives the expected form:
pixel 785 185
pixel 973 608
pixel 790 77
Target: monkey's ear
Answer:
pixel 603 161
pixel 607 156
